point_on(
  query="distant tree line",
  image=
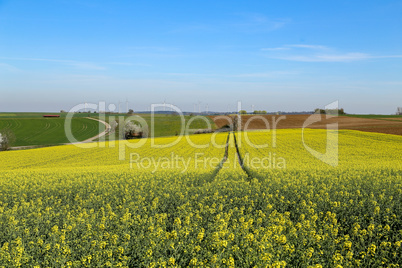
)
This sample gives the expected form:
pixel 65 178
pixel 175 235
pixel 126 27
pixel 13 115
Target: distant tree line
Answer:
pixel 255 112
pixel 260 112
pixel 329 111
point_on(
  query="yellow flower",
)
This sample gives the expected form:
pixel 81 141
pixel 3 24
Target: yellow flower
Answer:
pixel 371 249
pixel 200 235
pixel 347 245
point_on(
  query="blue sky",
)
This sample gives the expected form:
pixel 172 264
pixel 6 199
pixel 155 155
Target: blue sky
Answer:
pixel 275 55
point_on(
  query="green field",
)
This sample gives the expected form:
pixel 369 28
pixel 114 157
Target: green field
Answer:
pixel 32 129
pixel 375 116
pixel 164 124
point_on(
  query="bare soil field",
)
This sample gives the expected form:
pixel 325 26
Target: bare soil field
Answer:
pixel 393 119
pixel 390 126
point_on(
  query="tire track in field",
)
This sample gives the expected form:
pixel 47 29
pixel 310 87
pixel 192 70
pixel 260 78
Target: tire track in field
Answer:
pixel 224 158
pixel 90 128
pixel 78 132
pixel 7 124
pixel 58 124
pixel 38 133
pixel 246 170
pixel 49 128
pixel 103 133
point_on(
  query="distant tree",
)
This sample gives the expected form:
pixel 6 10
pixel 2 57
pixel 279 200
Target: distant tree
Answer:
pixel 7 138
pixel 62 111
pixel 329 111
pixel 235 122
pixel 242 112
pixel 132 130
pixel 130 111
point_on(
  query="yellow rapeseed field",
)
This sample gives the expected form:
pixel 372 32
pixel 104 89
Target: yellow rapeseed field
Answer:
pixel 192 205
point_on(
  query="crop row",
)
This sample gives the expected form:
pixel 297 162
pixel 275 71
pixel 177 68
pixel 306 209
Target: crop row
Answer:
pixel 74 207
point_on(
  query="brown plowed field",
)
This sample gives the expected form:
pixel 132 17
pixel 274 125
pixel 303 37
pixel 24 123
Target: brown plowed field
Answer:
pixel 390 126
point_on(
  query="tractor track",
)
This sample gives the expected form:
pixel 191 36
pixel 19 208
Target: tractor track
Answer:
pixel 224 158
pixel 246 170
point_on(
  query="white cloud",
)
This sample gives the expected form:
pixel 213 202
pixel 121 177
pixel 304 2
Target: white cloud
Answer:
pixel 318 53
pixel 316 47
pixel 8 67
pixel 326 57
pixel 389 56
pixel 275 49
pixel 242 22
pixel 255 22
pixel 76 64
pixel 83 65
pixel 289 47
pixel 274 74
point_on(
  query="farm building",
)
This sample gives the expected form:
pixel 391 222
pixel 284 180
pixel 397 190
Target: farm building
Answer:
pixel 51 115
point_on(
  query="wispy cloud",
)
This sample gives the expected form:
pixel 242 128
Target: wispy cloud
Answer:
pixel 151 52
pixel 270 74
pixel 274 74
pixel 275 48
pixel 195 28
pixel 255 22
pixel 153 48
pixel 241 22
pixel 8 67
pixel 83 65
pixel 389 56
pixel 128 64
pixel 304 46
pixel 73 63
pixel 318 53
pixel 327 57
pixel 316 47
